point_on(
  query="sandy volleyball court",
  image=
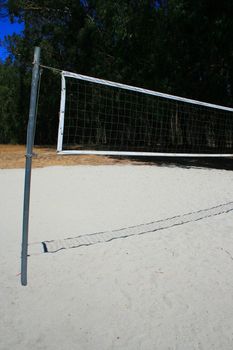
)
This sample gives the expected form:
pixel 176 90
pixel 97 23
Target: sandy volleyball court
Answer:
pixel 167 287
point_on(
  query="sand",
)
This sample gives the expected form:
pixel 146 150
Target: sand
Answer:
pixel 167 289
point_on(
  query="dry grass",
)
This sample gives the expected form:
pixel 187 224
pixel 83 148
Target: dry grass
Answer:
pixel 13 156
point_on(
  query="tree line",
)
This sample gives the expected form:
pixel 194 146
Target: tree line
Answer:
pixel 182 47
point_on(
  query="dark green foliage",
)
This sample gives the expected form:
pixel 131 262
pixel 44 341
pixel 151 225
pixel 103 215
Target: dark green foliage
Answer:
pixel 182 47
pixel 10 118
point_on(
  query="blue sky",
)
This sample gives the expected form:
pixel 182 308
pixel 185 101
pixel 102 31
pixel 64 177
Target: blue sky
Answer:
pixel 6 28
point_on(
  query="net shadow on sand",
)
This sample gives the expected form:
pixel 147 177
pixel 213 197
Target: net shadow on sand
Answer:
pixel 54 246
pixel 184 162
